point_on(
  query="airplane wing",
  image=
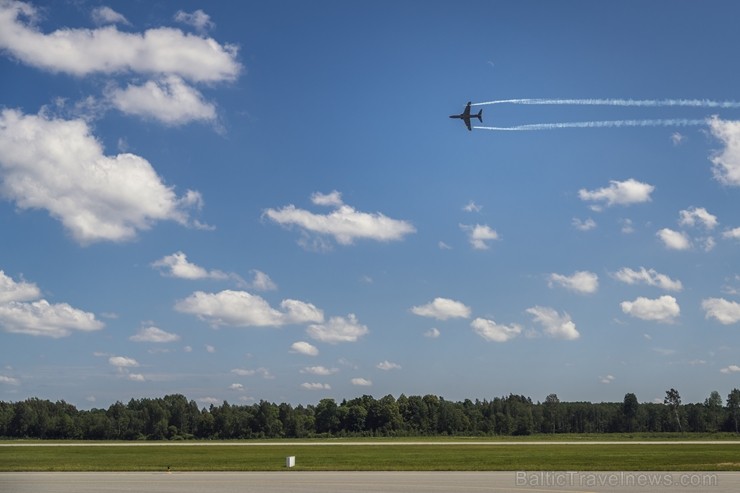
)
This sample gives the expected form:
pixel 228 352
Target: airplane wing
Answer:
pixel 467 123
pixel 466 113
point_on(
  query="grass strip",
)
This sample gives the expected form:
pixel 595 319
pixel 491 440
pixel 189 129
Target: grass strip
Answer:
pixel 602 457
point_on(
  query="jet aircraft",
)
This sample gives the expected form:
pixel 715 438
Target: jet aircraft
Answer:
pixel 466 116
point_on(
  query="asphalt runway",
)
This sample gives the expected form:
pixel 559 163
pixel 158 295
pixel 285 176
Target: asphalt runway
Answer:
pixel 369 482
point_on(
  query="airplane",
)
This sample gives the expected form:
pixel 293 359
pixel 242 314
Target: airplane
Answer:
pixel 466 116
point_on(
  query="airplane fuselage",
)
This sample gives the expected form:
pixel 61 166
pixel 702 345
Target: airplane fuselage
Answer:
pixel 466 116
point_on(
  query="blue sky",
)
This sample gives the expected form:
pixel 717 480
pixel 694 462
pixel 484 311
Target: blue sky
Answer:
pixel 266 200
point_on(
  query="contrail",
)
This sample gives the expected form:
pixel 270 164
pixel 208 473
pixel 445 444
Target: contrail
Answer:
pixel 695 103
pixel 600 124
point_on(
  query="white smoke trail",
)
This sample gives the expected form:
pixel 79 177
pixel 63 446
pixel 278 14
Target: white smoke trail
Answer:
pixel 600 124
pixel 695 103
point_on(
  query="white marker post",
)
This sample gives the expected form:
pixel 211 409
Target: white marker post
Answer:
pixel 290 461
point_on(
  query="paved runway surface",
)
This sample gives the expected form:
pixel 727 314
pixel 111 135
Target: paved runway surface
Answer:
pixel 369 482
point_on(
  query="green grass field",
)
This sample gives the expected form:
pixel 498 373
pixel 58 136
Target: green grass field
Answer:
pixel 402 457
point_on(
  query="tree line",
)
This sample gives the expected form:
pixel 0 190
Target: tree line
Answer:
pixel 173 417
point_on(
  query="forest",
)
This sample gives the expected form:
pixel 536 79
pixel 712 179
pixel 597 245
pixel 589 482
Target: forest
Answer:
pixel 173 417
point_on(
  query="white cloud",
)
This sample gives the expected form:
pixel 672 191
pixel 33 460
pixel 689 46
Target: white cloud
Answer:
pixel 626 192
pixel 664 309
pixel 319 370
pixel 41 318
pixel 581 225
pixel 303 347
pixel 338 329
pixel 731 369
pixel 241 309
pixel 177 265
pixel 316 386
pixel 555 325
pixel 697 215
pixel 607 379
pixel 442 309
pixel 472 207
pixel 732 234
pixel 123 362
pixel 106 50
pixel 724 311
pixel 491 331
pixel 169 100
pixel 9 380
pixel 344 224
pixel 627 227
pixel 59 166
pixel 198 19
pixel 262 282
pixel 387 365
pixel 726 162
pixel 432 333
pixel 136 377
pixel 674 240
pixel 11 290
pixel 154 334
pixel 236 386
pixel 677 138
pixel 362 382
pixel 479 235
pixel 581 282
pixel 106 15
pixel 333 198
pixel 647 276
pixel 262 372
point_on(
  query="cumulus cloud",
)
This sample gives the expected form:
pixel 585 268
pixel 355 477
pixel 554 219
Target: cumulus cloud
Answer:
pixel 607 379
pixel 20 314
pixel 647 276
pixel 262 282
pixel 344 224
pixel 177 265
pixel 242 309
pixel 731 369
pixel 169 100
pixel 442 309
pixel 9 380
pixel 57 165
pixel 106 50
pixel 11 290
pixel 626 192
pixel 315 386
pixel 582 225
pixel 479 235
pixel 724 311
pixel 106 15
pixel 303 347
pixel 361 382
pixel 674 240
pixel 387 365
pixel 198 19
pixel 319 370
pixel 555 325
pixel 472 207
pixel 733 233
pixel 580 282
pixel 432 333
pixel 492 331
pixel 726 162
pixel 261 372
pixel 123 362
pixel 338 329
pixel 154 334
pixel 697 216
pixel 664 309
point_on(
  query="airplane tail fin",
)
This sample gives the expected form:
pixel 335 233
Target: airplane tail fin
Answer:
pixel 480 116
